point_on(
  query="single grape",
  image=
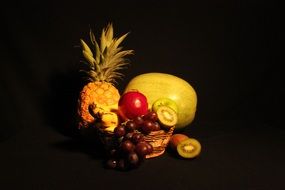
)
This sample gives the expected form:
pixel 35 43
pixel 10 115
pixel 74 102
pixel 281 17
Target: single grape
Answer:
pixel 141 149
pixel 149 148
pixel 138 120
pixel 150 116
pixel 137 137
pixel 112 152
pixel 128 136
pixel 121 165
pixel 133 159
pixel 119 131
pixel 127 146
pixel 130 126
pixel 147 127
pixel 111 163
pixel 155 126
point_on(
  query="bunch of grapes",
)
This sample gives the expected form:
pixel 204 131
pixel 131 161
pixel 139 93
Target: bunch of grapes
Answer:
pixel 132 148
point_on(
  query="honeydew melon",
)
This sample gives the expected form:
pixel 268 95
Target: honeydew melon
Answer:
pixel 162 85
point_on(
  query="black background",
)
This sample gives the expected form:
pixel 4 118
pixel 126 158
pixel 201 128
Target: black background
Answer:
pixel 229 51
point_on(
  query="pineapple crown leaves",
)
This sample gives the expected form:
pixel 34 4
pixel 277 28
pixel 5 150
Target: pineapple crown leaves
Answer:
pixel 109 57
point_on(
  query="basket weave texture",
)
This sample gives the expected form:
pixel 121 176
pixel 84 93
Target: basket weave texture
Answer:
pixel 159 141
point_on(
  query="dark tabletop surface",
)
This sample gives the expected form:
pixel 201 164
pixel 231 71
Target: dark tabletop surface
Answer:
pixel 228 51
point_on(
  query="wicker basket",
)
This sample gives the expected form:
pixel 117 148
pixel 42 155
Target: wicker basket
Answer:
pixel 158 139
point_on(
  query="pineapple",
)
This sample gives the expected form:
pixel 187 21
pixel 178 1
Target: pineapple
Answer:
pixel 99 98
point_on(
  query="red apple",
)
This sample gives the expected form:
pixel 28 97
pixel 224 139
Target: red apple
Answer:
pixel 132 104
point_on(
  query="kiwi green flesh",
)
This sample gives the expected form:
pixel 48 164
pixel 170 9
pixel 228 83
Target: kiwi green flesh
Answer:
pixel 189 148
pixel 166 116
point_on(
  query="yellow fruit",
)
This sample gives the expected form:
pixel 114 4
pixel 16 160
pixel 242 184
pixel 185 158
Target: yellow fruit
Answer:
pixel 160 85
pixel 102 73
pixel 98 93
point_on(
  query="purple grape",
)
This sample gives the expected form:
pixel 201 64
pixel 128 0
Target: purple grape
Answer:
pixel 119 131
pixel 149 148
pixel 133 159
pixel 141 149
pixel 111 163
pixel 121 165
pixel 155 126
pixel 138 120
pixel 150 116
pixel 128 136
pixel 127 146
pixel 113 153
pixel 137 137
pixel 147 127
pixel 130 126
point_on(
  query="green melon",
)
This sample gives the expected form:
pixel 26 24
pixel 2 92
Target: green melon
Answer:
pixel 161 85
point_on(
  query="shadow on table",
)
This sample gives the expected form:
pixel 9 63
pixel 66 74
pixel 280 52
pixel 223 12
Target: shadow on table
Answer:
pixel 92 148
pixel 61 114
pixel 61 102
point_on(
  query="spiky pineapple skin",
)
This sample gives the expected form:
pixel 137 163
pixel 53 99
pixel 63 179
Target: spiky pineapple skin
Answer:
pixel 102 94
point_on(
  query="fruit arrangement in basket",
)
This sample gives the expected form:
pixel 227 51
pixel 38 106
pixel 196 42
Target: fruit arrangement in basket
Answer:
pixel 139 123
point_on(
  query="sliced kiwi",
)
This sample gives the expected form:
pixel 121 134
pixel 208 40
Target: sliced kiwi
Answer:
pixel 164 102
pixel 189 148
pixel 166 116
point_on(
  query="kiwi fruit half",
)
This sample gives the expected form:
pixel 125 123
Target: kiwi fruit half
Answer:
pixel 165 102
pixel 166 116
pixel 189 148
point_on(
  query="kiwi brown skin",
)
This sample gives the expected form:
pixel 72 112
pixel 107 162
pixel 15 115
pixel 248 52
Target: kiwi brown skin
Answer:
pixel 176 139
pixel 189 143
